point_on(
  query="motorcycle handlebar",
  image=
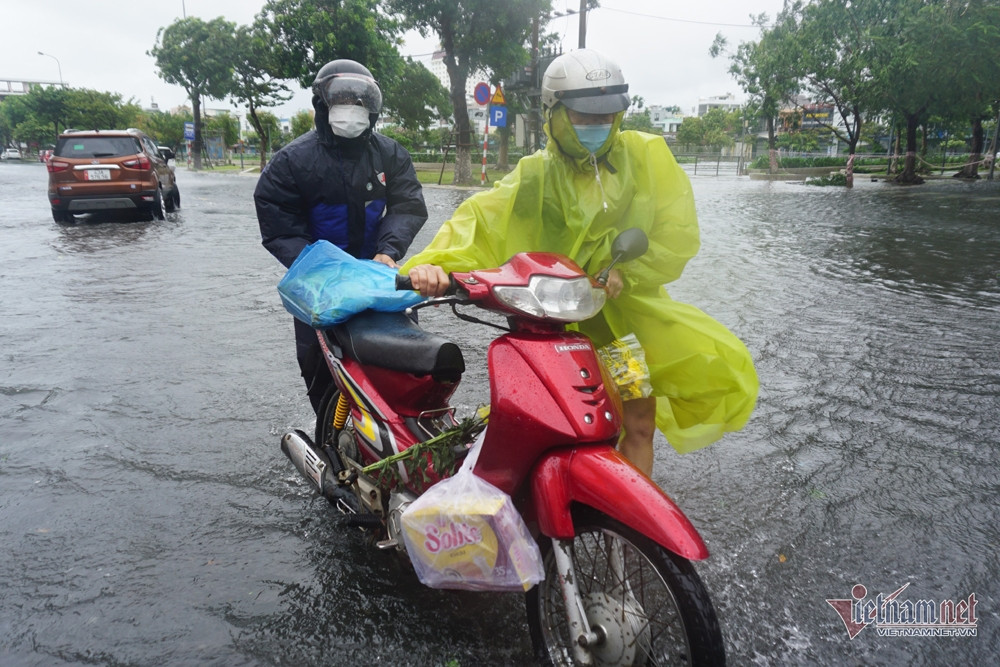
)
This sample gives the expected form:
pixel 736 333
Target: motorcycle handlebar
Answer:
pixel 404 283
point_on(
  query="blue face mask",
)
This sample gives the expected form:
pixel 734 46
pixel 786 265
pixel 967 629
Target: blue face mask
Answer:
pixel 592 137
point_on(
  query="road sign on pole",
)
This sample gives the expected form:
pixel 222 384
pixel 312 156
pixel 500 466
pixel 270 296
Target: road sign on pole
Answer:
pixel 482 93
pixel 498 98
pixel 498 116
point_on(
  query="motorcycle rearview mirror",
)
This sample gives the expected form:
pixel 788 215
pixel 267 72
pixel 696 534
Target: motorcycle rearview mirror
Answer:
pixel 628 245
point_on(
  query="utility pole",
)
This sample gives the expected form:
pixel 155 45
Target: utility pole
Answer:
pixel 993 146
pixel 583 24
pixel 536 88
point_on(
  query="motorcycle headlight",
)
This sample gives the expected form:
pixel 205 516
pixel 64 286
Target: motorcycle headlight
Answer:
pixel 561 299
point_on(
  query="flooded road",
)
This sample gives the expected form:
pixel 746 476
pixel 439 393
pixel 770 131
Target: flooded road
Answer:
pixel 147 516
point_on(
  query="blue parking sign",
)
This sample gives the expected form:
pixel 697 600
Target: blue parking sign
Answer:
pixel 189 131
pixel 498 116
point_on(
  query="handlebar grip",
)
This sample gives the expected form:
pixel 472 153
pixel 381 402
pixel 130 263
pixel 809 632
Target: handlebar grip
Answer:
pixel 403 282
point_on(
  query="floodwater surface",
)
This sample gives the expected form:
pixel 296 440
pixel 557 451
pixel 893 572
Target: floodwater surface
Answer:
pixel 148 517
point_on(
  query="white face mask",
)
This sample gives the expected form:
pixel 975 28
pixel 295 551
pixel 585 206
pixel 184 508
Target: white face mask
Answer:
pixel 348 120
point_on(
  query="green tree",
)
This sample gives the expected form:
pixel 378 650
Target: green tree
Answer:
pixel 913 80
pixel 306 34
pixel 302 122
pixel 415 111
pixel 309 33
pixel 90 109
pixel 270 133
pixel 48 106
pixel 197 56
pixel 166 128
pixel 641 122
pixel 766 71
pixel 475 35
pixel 830 47
pixel 979 85
pixel 691 132
pixel 225 126
pixel 254 82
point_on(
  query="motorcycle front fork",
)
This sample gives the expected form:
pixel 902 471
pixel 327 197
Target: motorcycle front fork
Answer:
pixel 579 627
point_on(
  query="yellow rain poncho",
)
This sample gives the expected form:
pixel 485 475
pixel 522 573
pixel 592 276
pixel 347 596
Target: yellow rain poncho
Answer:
pixel 702 375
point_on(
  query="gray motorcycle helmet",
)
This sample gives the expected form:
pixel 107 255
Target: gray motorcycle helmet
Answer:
pixel 348 82
pixel 586 82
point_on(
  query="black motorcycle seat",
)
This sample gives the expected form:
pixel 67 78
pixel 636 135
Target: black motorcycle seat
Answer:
pixel 394 341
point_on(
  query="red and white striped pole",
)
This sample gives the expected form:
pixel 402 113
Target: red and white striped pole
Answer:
pixel 486 132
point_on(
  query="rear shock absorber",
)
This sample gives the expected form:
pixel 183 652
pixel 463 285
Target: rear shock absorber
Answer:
pixel 340 415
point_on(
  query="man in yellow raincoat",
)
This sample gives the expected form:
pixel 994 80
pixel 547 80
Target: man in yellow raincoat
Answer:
pixel 590 182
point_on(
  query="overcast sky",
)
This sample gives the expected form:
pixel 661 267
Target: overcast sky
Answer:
pixel 661 45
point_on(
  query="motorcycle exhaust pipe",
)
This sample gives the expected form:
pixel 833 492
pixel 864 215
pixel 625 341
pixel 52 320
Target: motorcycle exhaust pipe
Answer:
pixel 313 464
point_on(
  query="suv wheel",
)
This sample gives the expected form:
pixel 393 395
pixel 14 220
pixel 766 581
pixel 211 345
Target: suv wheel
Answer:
pixel 156 212
pixel 62 216
pixel 172 201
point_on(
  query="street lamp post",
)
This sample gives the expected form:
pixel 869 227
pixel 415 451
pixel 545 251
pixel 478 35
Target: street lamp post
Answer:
pixel 58 64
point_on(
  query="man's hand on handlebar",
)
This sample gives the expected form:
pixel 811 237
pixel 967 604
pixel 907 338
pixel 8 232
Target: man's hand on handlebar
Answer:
pixel 615 284
pixel 429 280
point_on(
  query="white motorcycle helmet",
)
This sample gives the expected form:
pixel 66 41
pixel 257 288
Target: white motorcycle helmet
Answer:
pixel 585 81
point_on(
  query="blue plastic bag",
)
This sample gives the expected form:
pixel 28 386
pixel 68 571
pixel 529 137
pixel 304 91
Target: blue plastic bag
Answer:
pixel 325 286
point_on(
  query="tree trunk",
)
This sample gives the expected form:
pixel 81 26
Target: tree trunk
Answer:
pixel 772 151
pixel 909 175
pixel 457 76
pixel 503 143
pixel 257 126
pixel 196 145
pixel 971 168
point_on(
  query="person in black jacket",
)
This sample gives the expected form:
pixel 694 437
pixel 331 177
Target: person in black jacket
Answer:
pixel 341 182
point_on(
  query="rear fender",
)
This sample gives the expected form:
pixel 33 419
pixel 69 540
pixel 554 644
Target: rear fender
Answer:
pixel 601 478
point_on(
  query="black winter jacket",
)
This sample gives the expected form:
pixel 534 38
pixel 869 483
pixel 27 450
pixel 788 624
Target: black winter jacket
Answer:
pixel 360 194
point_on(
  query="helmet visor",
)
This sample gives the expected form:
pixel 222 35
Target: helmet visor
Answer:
pixel 597 100
pixel 351 89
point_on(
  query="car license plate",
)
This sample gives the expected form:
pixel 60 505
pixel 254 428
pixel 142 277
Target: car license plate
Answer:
pixel 98 174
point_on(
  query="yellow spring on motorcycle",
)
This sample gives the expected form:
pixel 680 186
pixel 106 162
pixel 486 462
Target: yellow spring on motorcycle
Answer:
pixel 343 409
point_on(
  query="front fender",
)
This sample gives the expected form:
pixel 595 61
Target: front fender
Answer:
pixel 601 478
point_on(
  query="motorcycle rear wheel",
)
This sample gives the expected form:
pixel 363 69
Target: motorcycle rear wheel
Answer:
pixel 326 434
pixel 336 443
pixel 647 604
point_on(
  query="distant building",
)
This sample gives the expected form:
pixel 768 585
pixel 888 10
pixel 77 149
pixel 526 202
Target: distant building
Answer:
pixel 727 102
pixel 803 113
pixel 666 119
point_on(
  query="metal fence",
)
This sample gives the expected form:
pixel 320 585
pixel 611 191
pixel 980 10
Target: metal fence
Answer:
pixel 712 164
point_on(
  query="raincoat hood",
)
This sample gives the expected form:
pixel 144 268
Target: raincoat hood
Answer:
pixel 562 137
pixel 321 121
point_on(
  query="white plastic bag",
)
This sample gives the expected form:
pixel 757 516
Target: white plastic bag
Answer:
pixel 465 533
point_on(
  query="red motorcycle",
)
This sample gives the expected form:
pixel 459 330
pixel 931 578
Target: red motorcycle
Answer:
pixel 619 587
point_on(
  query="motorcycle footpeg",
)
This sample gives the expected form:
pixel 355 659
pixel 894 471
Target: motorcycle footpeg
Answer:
pixel 363 520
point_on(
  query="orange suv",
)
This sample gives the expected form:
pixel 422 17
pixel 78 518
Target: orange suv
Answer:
pixel 110 171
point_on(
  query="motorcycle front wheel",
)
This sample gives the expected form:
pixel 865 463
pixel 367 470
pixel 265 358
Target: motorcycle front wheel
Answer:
pixel 646 604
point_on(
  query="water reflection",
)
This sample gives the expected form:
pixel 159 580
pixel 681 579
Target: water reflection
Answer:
pixel 362 606
pixel 94 233
pixel 921 244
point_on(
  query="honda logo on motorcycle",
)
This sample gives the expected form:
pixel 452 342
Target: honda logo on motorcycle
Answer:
pixel 572 347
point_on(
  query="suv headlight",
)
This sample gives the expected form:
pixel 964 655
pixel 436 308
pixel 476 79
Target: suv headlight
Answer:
pixel 561 299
